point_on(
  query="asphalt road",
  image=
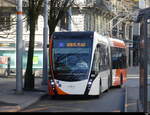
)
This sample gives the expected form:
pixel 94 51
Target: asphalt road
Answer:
pixel 110 101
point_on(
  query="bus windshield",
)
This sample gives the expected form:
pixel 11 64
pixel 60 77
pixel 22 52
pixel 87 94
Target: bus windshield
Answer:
pixel 118 58
pixel 71 64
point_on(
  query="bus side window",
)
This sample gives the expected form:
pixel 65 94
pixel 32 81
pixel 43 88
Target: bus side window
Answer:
pixel 103 57
pixel 96 61
pixel 123 59
pixel 100 61
pixel 121 62
pixel 106 57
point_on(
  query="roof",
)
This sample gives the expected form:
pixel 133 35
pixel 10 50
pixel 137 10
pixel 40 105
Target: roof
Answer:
pixel 86 34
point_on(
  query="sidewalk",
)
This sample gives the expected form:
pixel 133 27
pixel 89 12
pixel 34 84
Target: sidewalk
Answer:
pixel 132 90
pixel 12 102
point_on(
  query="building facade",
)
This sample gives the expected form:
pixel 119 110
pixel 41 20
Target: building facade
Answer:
pixel 107 17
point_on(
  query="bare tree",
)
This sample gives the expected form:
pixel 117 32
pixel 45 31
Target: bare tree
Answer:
pixel 57 10
pixel 34 10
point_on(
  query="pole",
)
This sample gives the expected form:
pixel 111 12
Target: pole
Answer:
pixel 69 14
pixel 45 39
pixel 19 33
pixel 69 18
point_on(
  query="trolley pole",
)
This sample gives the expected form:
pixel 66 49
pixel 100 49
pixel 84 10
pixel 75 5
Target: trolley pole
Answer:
pixel 45 39
pixel 19 48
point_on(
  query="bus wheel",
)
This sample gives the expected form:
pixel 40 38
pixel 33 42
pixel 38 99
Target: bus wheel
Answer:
pixel 121 81
pixel 98 96
pixel 109 83
pixel 100 87
pixel 53 97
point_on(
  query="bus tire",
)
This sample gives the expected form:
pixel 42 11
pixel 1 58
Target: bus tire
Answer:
pixel 53 97
pixel 98 96
pixel 121 81
pixel 100 87
pixel 109 82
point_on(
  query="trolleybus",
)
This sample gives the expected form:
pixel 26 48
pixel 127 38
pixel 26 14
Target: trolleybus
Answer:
pixel 79 64
pixel 119 61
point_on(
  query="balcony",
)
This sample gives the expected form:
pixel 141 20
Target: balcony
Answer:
pixel 7 6
pixel 7 3
pixel 80 3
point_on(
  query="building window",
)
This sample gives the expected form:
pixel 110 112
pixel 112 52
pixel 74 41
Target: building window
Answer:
pixel 5 21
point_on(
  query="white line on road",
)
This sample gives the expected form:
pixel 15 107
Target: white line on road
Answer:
pixel 134 76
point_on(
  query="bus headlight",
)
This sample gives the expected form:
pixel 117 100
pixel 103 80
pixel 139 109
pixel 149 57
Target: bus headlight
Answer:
pixel 89 83
pixel 52 83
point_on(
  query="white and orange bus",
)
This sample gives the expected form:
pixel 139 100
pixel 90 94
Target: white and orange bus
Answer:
pixel 79 64
pixel 119 61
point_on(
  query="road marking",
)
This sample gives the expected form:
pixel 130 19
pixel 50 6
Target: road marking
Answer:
pixel 135 77
pixel 116 111
pixel 9 108
pixel 36 109
pixel 53 108
pixel 130 104
pixel 132 77
pixel 65 107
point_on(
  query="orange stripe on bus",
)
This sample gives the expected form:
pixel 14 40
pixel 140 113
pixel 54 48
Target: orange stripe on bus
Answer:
pixel 50 89
pixel 59 91
pixel 118 74
pixel 117 44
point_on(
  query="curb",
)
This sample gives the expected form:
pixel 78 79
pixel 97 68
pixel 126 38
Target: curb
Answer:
pixel 139 106
pixel 20 107
pixel 10 108
pixel 126 101
pixel 25 105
